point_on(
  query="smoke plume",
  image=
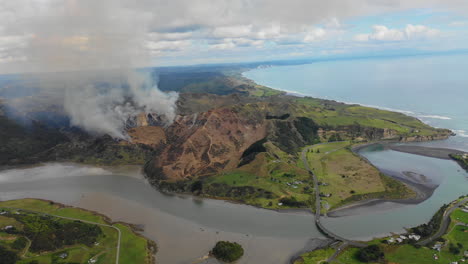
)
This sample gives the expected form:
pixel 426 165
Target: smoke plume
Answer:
pixel 93 48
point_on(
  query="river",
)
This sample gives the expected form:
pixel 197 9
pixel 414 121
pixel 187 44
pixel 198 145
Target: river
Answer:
pixel 186 228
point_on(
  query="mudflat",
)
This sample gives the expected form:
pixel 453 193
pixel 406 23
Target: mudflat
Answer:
pixel 440 153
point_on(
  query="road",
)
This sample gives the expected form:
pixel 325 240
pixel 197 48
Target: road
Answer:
pixel 444 225
pixel 117 255
pixel 338 251
pixel 318 203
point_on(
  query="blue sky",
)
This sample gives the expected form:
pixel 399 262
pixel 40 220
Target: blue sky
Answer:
pixel 38 35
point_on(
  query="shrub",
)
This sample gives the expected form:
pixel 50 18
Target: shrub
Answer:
pixel 227 251
pixel 453 249
pixel 292 201
pixel 19 243
pixel 197 186
pixel 370 253
pixel 7 256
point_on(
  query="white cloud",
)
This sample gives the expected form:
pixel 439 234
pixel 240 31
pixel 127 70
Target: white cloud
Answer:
pixel 459 24
pixel 420 31
pixel 236 31
pixel 315 34
pixel 231 43
pixel 383 33
pixel 157 47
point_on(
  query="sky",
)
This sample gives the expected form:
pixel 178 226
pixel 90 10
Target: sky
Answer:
pixel 60 35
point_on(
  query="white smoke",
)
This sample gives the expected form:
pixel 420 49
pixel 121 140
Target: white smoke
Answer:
pixel 96 45
pixel 106 111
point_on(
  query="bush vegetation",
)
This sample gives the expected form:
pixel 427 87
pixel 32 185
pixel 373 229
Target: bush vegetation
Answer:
pixel 7 256
pixel 370 254
pixel 227 251
pixel 48 234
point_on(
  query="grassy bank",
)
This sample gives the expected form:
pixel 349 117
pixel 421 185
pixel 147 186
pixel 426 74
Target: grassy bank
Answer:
pixel 346 178
pixel 26 215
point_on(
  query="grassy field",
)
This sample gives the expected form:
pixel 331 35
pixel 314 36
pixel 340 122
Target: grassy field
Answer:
pixel 134 248
pixel 315 257
pixel 280 177
pixel 329 113
pixel 459 216
pixel 349 178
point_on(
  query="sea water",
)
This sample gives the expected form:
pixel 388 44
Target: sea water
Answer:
pixel 431 88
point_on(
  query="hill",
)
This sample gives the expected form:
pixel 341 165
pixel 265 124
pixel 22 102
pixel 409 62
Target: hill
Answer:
pixel 231 139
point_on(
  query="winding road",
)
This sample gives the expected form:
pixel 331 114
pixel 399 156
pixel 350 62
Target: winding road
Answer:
pixel 318 203
pixel 444 225
pixel 117 255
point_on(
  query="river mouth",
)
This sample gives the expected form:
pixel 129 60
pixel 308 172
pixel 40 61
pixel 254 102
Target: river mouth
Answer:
pixel 186 228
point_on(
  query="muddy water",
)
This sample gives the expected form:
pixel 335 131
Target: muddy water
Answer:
pixel 184 228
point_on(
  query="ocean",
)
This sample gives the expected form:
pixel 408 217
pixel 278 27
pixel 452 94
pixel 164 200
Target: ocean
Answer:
pixel 431 88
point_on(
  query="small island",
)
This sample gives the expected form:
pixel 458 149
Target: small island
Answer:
pixel 37 231
pixel 227 251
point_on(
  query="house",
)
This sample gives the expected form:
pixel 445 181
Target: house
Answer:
pixel 436 257
pixel 403 237
pixel 3 212
pixel 414 237
pixel 64 255
pixel 391 240
pixel 399 240
pixel 280 204
pixel 8 227
pixel 437 246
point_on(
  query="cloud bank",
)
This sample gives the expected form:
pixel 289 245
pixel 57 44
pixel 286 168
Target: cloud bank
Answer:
pixel 168 28
pixel 383 33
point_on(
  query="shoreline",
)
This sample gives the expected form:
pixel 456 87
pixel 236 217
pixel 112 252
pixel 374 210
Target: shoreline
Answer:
pixel 312 244
pixel 422 191
pixel 301 94
pixel 438 153
pixel 151 246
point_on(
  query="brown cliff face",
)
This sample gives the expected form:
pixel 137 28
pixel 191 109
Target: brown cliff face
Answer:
pixel 206 143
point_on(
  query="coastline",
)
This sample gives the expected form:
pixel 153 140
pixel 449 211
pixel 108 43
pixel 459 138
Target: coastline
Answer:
pixel 419 116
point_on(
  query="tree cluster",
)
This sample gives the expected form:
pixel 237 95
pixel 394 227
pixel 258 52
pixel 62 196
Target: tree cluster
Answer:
pixel 227 251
